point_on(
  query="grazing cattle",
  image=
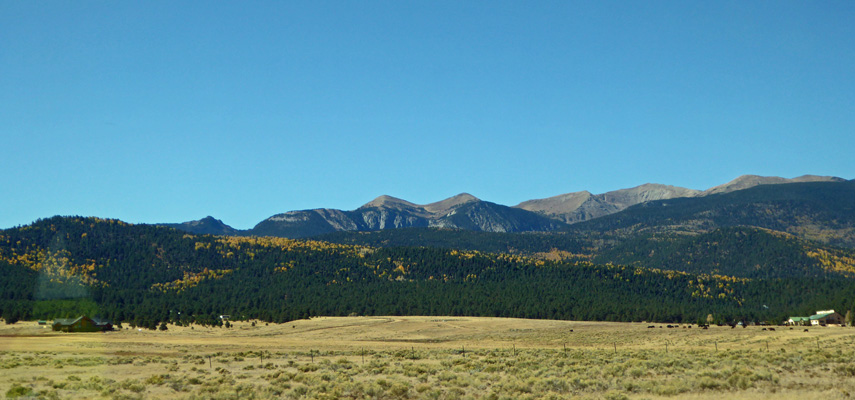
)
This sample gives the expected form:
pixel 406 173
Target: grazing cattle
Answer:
pixel 651 326
pixel 706 327
pixel 668 326
pixel 771 329
pixel 806 330
pixel 764 329
pixel 791 328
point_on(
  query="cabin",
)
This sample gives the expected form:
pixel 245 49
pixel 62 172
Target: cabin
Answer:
pixel 82 324
pixel 799 321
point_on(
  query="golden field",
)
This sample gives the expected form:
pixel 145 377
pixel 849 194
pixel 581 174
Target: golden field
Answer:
pixel 429 357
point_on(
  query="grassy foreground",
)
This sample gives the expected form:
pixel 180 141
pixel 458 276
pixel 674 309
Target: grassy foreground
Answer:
pixel 428 357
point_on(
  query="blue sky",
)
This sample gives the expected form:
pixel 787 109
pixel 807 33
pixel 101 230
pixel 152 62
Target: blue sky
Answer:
pixel 167 111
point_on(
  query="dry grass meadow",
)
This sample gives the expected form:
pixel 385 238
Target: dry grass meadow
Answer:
pixel 428 357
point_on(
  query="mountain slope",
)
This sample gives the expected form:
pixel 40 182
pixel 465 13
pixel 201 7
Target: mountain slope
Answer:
pixel 463 211
pixel 491 217
pixel 749 181
pixel 205 226
pixel 822 211
pixel 297 224
pixel 582 206
pixel 735 251
pixel 444 206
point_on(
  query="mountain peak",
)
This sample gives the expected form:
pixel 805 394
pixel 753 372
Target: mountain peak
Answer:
pixel 209 220
pixel 580 206
pixel 818 178
pixel 386 201
pixel 443 206
pixel 205 226
pixel 563 203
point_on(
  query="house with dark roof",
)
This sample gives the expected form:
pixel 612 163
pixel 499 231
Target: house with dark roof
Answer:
pixel 82 324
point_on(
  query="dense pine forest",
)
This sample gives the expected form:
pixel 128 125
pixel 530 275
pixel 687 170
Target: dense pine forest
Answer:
pixel 144 275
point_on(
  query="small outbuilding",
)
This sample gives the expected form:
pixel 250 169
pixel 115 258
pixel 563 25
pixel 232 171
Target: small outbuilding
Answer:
pixel 82 324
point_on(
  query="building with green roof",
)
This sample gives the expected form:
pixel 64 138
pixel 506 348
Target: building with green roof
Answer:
pixel 827 317
pixel 821 318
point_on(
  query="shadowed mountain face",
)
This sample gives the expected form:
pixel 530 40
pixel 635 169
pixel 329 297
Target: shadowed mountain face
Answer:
pixel 463 211
pixel 205 226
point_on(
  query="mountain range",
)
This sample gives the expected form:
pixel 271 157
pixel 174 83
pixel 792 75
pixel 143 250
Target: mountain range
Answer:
pixel 465 211
pixel 746 249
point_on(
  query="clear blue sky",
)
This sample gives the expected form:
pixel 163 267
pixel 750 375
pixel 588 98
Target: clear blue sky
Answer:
pixel 164 111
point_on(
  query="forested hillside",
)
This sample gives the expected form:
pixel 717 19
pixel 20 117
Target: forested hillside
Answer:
pixel 738 251
pixel 144 275
pixel 528 243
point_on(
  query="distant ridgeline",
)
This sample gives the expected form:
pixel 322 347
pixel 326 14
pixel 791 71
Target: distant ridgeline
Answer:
pixel 63 267
pixel 811 207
